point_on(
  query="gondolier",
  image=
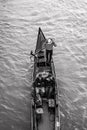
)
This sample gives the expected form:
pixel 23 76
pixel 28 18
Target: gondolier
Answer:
pixel 49 49
pixel 48 45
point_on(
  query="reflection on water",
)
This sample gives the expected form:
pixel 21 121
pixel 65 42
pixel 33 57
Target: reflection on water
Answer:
pixel 66 22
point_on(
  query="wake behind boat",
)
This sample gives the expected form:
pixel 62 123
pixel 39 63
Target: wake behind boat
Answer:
pixel 44 107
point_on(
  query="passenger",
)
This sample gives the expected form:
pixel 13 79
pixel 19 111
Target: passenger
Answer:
pixel 50 86
pixel 38 80
pixel 43 85
pixel 44 75
pixel 49 80
pixel 38 101
pixel 52 81
pixel 47 85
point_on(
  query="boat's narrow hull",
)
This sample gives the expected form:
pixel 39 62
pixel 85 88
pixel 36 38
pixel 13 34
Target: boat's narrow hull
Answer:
pixel 50 119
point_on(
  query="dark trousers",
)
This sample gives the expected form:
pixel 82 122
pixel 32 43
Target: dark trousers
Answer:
pixel 49 55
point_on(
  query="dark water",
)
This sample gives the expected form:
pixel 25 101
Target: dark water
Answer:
pixel 66 22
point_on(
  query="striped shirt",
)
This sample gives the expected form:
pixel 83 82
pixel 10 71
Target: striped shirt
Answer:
pixel 50 46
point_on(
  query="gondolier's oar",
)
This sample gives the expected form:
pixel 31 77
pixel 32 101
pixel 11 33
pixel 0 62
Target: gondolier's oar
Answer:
pixel 35 54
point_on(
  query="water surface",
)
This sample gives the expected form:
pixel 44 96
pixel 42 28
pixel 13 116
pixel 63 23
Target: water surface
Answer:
pixel 66 22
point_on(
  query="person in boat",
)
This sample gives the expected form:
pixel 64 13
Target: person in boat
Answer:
pixel 38 101
pixel 39 84
pixel 38 80
pixel 50 81
pixel 49 49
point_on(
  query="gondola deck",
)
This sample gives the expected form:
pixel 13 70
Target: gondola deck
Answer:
pixel 49 118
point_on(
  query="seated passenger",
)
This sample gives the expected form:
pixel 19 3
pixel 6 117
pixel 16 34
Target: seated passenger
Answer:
pixel 38 101
pixel 38 80
pixel 48 81
pixel 39 109
pixel 50 86
pixel 52 81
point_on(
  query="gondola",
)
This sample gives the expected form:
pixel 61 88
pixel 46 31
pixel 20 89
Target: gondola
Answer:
pixel 45 113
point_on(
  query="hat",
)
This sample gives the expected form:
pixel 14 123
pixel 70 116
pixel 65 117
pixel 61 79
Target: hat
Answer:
pixel 49 41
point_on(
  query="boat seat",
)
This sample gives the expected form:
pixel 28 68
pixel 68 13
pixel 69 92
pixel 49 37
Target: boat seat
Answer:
pixel 51 103
pixel 39 110
pixel 40 56
pixel 41 64
pixel 41 52
pixel 41 60
pixel 40 90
